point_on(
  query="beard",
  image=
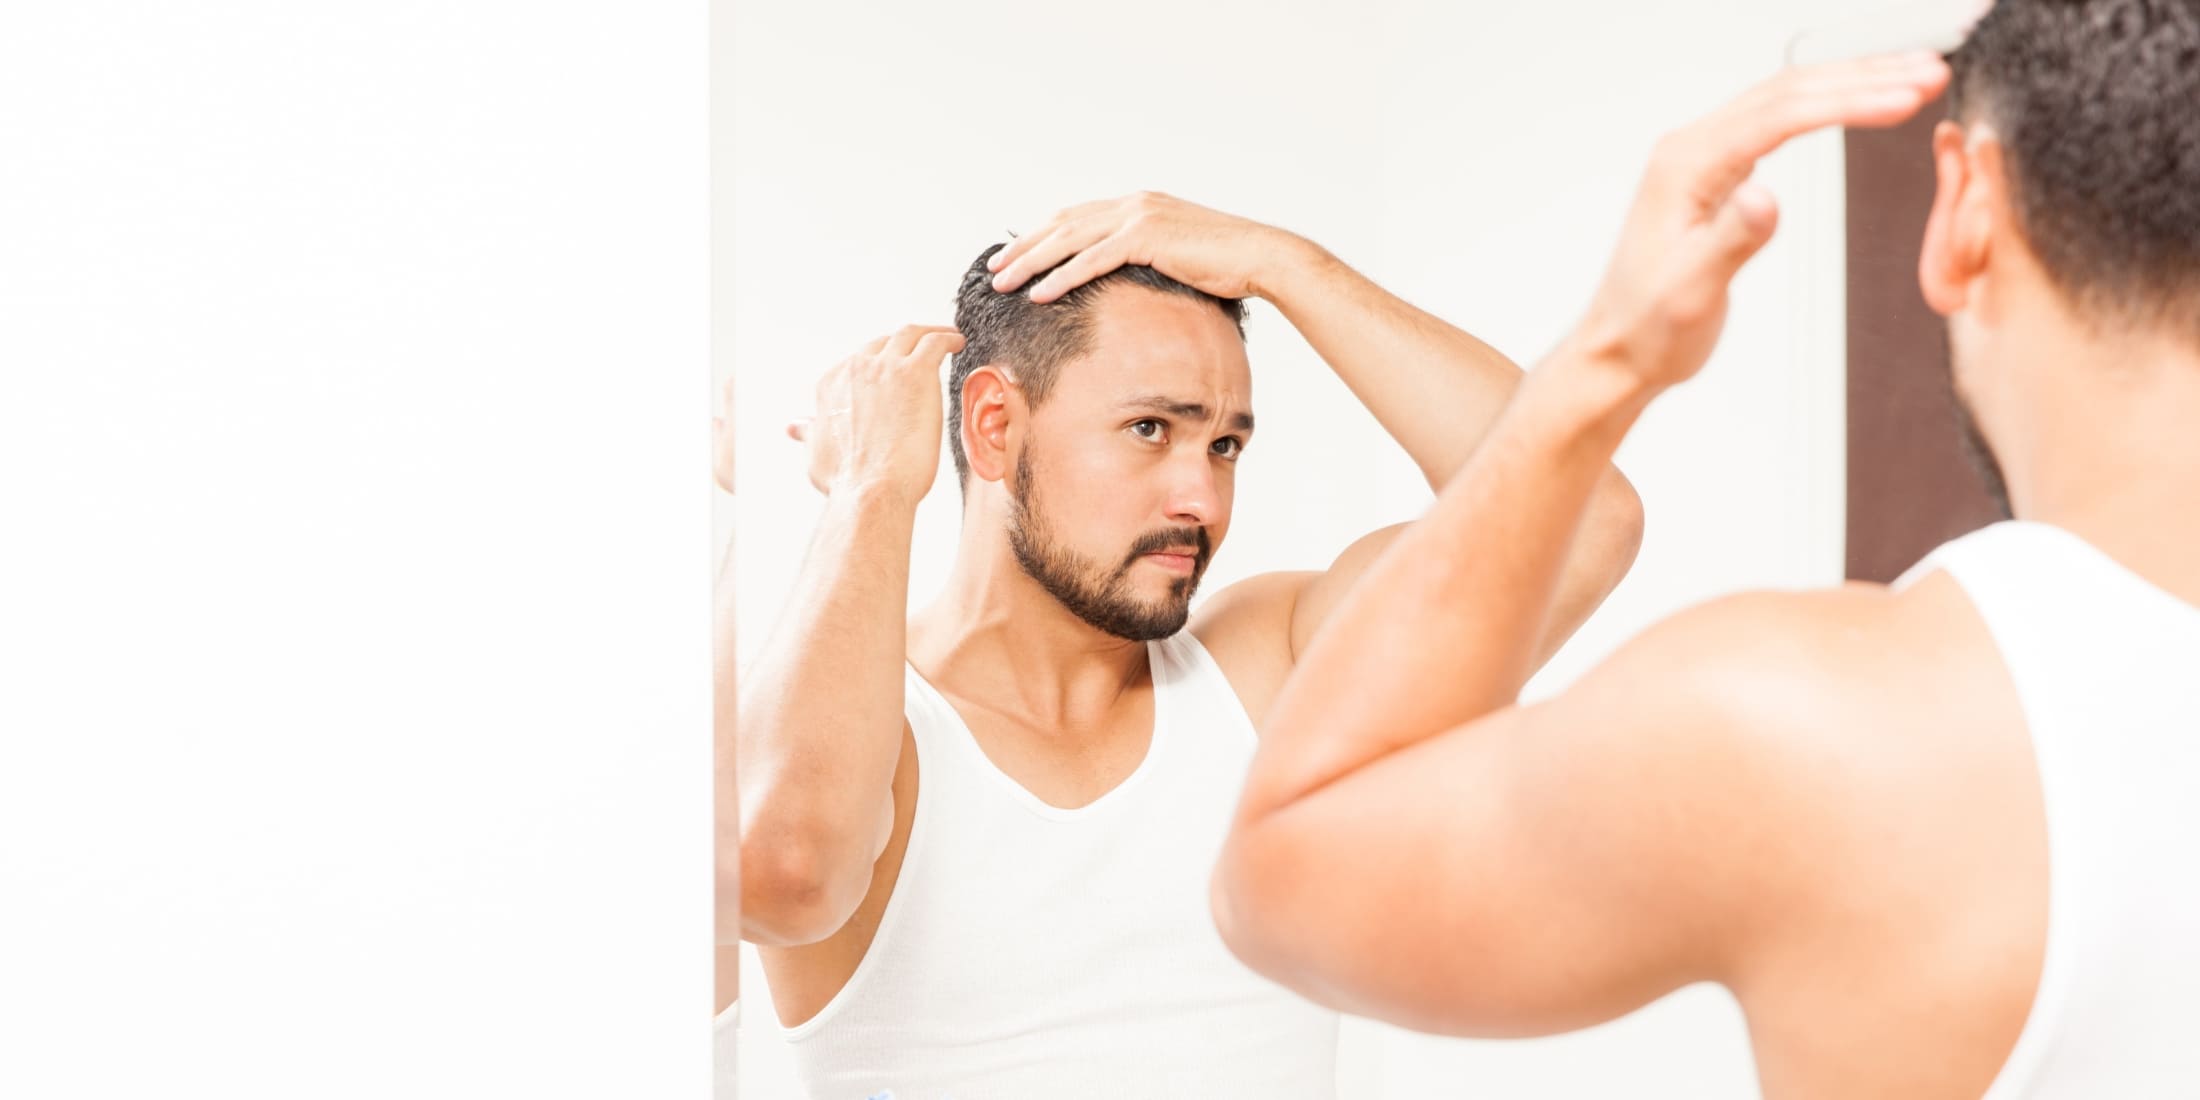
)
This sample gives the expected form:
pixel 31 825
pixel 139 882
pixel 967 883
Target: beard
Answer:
pixel 1099 595
pixel 1976 447
pixel 1981 454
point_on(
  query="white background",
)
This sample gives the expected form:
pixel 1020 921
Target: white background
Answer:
pixel 1475 158
pixel 354 705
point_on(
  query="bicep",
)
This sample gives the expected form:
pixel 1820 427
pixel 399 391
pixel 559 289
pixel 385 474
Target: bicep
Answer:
pixel 1599 557
pixel 1322 592
pixel 1541 869
pixel 1257 627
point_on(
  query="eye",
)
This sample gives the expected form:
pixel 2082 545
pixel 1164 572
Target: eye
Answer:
pixel 1229 446
pixel 1150 430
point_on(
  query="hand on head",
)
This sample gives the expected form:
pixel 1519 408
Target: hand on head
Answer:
pixel 1218 253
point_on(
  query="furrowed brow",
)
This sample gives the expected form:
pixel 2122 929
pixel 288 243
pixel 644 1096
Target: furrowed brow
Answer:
pixel 1184 410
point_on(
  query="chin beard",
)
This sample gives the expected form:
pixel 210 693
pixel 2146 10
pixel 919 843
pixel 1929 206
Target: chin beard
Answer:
pixel 1100 597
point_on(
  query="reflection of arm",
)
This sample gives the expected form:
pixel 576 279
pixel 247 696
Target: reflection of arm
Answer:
pixel 821 725
pixel 726 794
pixel 726 801
pixel 1433 387
pixel 1549 867
pixel 1411 843
pixel 726 971
pixel 726 977
pixel 1437 390
pixel 1457 603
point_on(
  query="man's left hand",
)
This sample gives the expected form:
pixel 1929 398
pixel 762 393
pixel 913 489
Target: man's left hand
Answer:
pixel 1226 256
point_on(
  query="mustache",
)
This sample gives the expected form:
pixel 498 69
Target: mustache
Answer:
pixel 1178 540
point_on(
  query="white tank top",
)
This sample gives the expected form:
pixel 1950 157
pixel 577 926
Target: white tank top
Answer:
pixel 2107 670
pixel 1030 952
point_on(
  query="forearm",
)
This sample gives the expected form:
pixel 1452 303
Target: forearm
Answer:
pixel 1434 387
pixel 1444 627
pixel 1438 390
pixel 821 710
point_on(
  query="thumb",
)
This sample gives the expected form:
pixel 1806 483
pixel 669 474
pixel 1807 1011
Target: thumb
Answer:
pixel 797 430
pixel 1739 229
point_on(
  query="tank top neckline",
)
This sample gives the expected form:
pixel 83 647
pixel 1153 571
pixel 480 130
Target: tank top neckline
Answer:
pixel 966 742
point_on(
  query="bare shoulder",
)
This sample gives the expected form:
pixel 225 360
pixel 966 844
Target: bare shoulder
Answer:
pixel 1869 748
pixel 1844 664
pixel 1847 723
pixel 1246 627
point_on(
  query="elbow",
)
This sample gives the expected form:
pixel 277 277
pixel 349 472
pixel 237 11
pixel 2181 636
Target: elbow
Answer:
pixel 1224 900
pixel 792 890
pixel 1610 537
pixel 1278 918
pixel 1247 905
pixel 1623 523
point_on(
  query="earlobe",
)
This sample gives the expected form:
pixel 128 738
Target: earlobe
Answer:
pixel 989 410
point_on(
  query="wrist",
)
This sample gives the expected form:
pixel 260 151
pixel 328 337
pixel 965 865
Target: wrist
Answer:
pixel 1586 396
pixel 1290 264
pixel 877 498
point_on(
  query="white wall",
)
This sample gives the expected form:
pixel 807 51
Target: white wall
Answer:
pixel 353 692
pixel 1476 159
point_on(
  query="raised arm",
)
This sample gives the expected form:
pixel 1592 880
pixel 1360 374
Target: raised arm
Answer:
pixel 1434 387
pixel 821 706
pixel 1538 896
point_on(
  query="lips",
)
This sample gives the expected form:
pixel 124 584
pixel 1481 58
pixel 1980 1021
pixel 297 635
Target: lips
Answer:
pixel 1173 561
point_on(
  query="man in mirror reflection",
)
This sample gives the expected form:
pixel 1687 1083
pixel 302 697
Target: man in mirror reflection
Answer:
pixel 976 839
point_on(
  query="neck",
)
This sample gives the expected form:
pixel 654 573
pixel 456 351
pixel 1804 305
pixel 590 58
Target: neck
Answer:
pixel 1001 639
pixel 2111 454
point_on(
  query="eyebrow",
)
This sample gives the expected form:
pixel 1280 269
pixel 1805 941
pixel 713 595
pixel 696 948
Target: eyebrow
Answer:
pixel 1185 410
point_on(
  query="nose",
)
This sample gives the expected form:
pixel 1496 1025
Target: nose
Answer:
pixel 1195 494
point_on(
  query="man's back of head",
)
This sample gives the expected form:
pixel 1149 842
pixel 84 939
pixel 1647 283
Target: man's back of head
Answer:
pixel 2064 241
pixel 2097 105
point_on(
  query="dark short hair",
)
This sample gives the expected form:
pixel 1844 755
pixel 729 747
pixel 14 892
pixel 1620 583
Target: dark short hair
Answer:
pixel 2097 103
pixel 1035 340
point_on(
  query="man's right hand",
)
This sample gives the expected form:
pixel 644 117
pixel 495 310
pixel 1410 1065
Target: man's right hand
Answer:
pixel 878 418
pixel 1697 217
pixel 822 728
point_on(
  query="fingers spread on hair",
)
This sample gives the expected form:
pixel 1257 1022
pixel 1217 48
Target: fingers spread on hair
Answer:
pixel 1087 265
pixel 1059 244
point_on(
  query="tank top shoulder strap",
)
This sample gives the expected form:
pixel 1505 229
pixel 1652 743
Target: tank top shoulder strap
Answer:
pixel 1979 554
pixel 1196 688
pixel 2034 576
pixel 946 756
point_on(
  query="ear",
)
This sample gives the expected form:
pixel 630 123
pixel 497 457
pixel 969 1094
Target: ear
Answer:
pixel 1959 232
pixel 992 408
